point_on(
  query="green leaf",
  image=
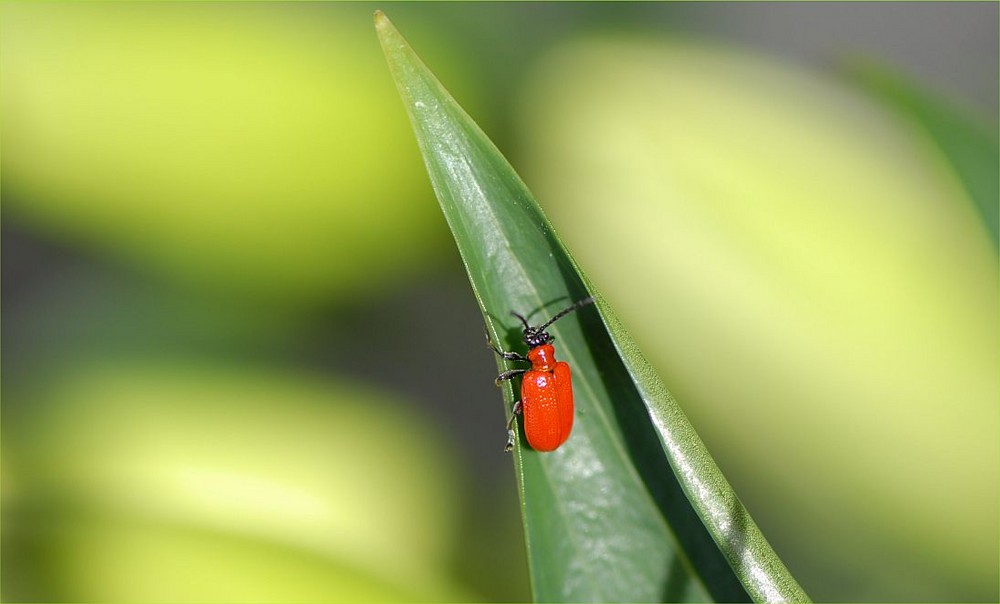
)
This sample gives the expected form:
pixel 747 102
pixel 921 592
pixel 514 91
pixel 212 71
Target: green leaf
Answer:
pixel 632 507
pixel 970 145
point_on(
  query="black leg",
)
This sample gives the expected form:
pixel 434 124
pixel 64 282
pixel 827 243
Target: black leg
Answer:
pixel 510 356
pixel 510 427
pixel 508 375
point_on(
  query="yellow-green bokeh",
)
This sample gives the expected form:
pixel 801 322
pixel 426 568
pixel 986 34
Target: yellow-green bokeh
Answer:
pixel 257 147
pixel 171 482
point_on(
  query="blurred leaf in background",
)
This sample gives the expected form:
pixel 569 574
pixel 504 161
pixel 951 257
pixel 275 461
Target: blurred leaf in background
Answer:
pixel 963 136
pixel 167 482
pixel 810 254
pixel 253 149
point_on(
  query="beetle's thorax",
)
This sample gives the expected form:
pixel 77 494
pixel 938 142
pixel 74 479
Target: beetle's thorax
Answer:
pixel 543 358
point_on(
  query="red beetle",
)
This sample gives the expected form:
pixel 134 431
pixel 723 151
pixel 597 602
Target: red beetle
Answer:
pixel 546 388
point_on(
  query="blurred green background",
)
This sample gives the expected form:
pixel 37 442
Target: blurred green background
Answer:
pixel 241 361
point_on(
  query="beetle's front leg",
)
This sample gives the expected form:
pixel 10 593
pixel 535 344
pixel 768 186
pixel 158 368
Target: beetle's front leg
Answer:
pixel 510 356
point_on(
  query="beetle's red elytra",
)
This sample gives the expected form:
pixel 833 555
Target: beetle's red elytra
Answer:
pixel 546 388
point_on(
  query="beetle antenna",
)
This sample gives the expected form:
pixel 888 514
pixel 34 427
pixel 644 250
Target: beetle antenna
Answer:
pixel 563 313
pixel 523 320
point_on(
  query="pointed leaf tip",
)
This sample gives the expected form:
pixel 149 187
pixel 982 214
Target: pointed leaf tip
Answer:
pixel 388 37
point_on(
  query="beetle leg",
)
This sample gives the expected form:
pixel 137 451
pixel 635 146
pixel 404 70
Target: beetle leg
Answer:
pixel 510 427
pixel 510 356
pixel 508 375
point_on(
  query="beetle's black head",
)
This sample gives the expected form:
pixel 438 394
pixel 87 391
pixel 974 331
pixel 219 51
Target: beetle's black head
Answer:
pixel 535 336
